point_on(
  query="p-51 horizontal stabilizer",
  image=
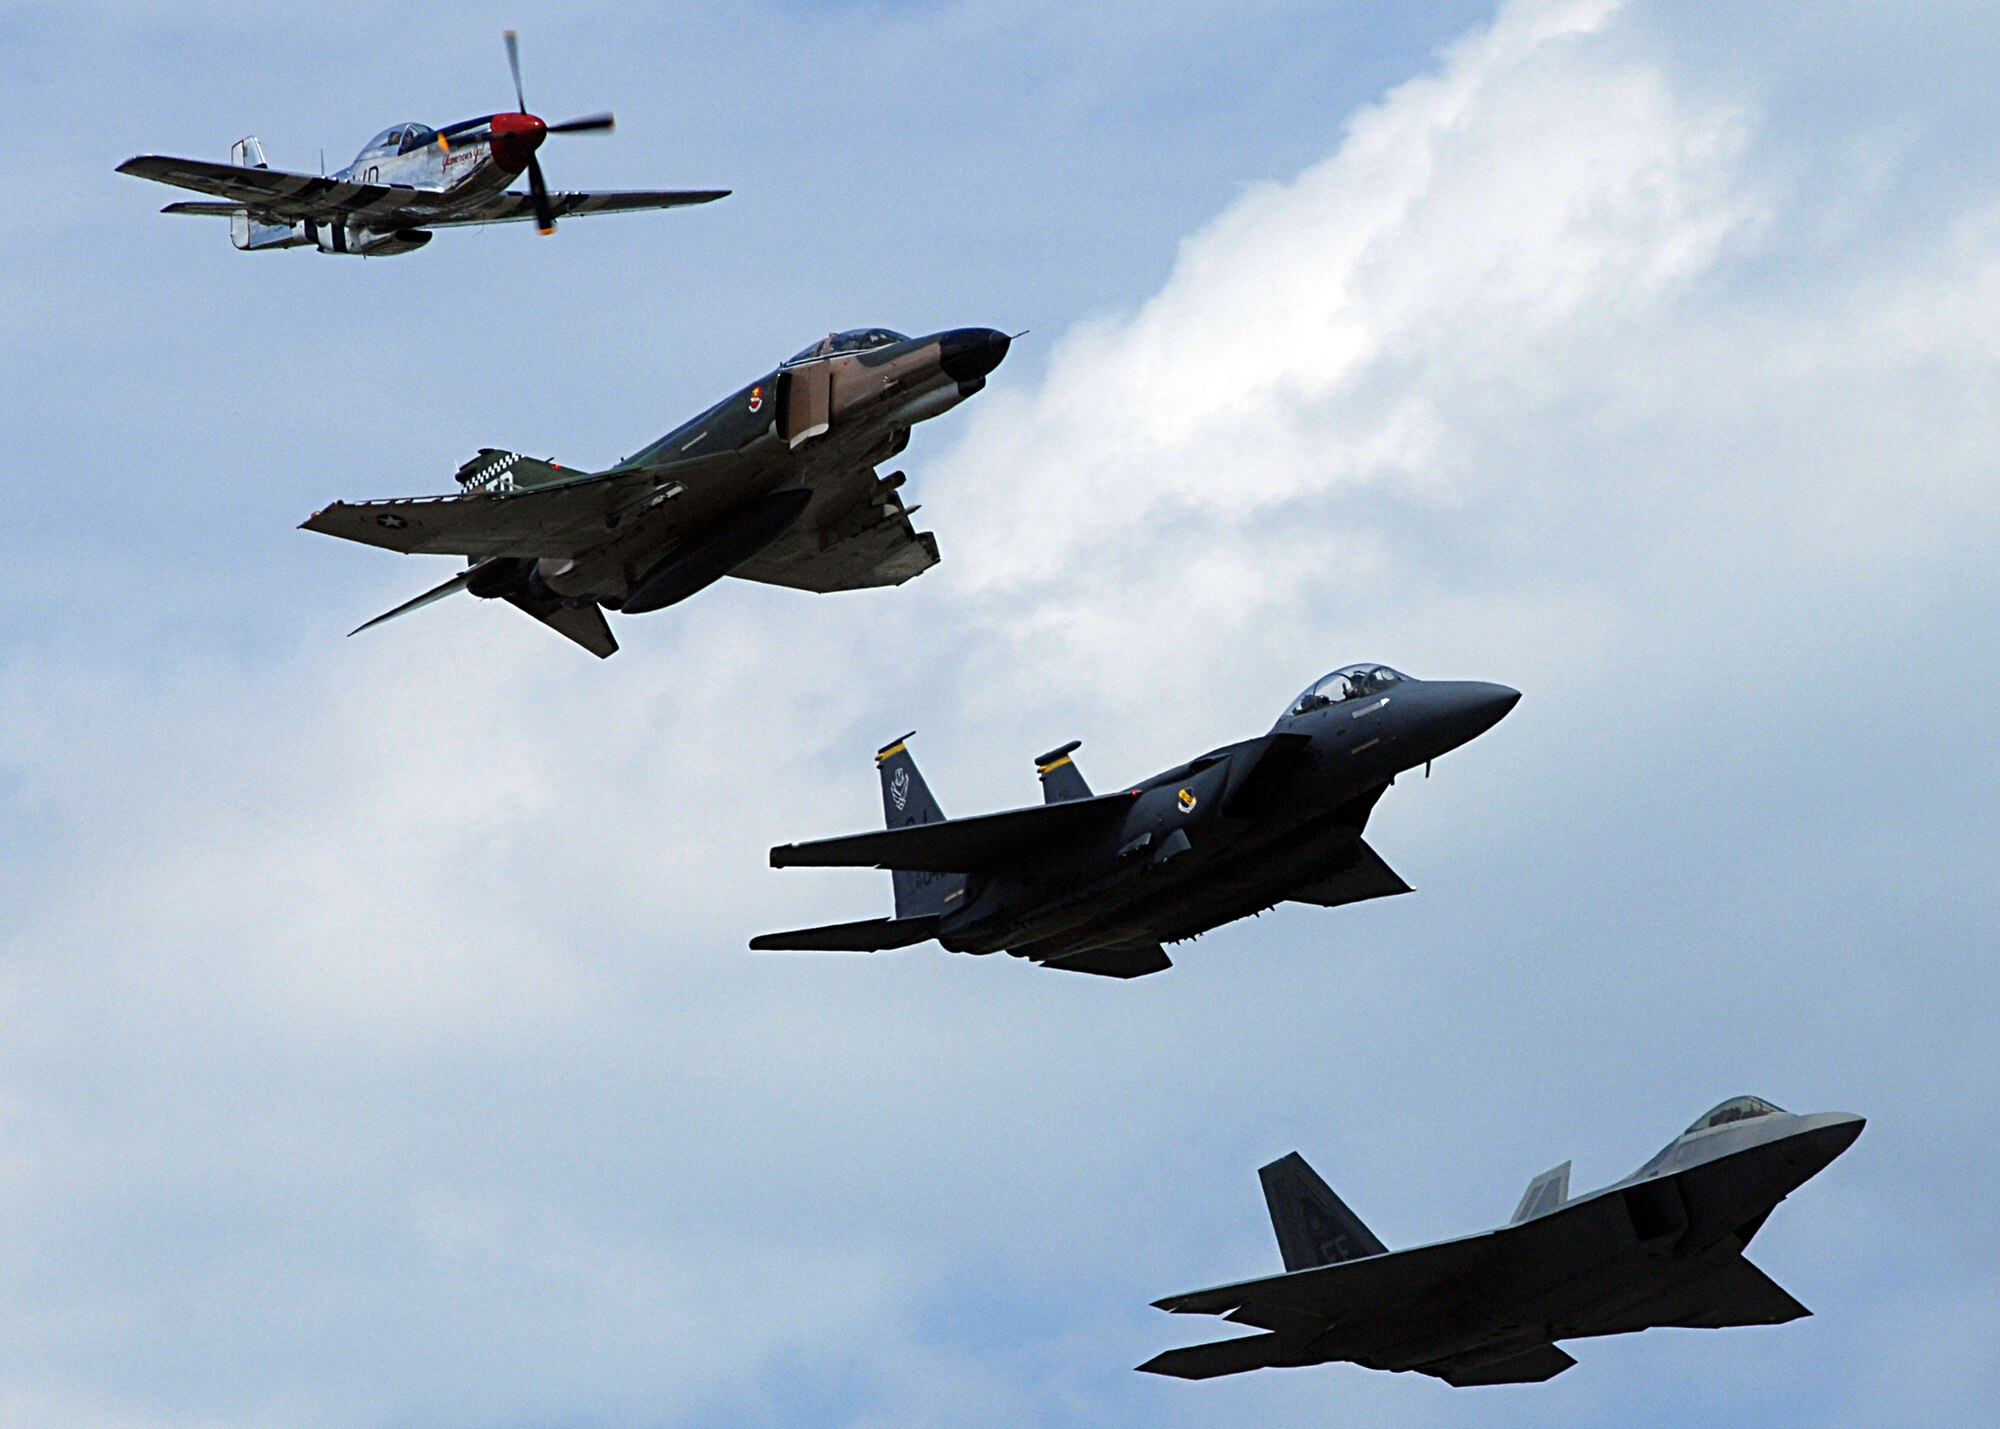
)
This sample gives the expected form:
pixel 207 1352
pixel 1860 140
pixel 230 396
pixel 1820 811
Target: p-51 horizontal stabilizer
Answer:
pixel 870 935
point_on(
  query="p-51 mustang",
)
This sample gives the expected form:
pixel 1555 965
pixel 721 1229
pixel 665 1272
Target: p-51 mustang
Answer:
pixel 409 180
pixel 775 483
pixel 1096 883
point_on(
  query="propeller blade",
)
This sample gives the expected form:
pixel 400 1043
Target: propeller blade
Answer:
pixel 545 215
pixel 514 63
pixel 584 125
pixel 451 587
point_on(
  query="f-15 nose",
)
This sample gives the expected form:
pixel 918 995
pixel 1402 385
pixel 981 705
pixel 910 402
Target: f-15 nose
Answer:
pixel 1465 709
pixel 968 353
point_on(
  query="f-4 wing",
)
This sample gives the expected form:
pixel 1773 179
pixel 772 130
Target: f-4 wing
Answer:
pixel 970 845
pixel 877 547
pixel 558 519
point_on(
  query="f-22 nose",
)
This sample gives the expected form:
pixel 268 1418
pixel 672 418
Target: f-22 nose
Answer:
pixel 969 353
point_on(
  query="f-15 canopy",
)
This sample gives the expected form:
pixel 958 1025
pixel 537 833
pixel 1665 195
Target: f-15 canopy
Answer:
pixel 1348 683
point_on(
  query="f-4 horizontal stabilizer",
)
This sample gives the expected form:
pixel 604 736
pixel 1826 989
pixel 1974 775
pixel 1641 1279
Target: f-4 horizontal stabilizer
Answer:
pixel 1131 960
pixel 870 935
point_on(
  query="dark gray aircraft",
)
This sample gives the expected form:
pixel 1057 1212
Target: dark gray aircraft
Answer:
pixel 1663 1247
pixel 1096 883
pixel 775 483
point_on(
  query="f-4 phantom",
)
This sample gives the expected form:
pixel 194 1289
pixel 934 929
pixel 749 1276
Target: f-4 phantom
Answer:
pixel 1663 1247
pixel 1096 883
pixel 409 180
pixel 775 483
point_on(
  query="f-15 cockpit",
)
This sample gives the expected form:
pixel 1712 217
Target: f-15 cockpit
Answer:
pixel 860 339
pixel 1350 683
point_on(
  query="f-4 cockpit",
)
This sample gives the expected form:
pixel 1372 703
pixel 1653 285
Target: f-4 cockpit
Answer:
pixel 860 339
pixel 1349 683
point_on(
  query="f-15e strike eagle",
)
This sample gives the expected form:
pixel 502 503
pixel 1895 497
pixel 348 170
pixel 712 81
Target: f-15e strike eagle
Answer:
pixel 1096 883
pixel 775 483
pixel 408 181
pixel 1663 1247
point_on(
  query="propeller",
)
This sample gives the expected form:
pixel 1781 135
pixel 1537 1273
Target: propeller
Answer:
pixel 526 133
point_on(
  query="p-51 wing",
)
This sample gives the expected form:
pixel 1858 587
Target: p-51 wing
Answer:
pixel 284 197
pixel 279 196
pixel 513 207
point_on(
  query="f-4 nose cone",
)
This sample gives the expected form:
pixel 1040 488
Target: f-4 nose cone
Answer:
pixel 968 353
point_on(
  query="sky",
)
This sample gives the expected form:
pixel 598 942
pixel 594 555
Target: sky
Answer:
pixel 378 1042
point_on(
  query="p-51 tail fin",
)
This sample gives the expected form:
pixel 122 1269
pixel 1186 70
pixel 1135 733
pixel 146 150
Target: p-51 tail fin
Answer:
pixel 244 231
pixel 1314 1226
pixel 907 800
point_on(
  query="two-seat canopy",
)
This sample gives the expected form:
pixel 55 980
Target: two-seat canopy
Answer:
pixel 859 339
pixel 1350 683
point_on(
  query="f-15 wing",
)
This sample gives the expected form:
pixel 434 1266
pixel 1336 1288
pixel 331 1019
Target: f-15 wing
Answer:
pixel 969 845
pixel 513 207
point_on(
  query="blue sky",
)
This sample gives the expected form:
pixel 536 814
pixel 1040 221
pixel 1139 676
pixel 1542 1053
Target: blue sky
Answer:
pixel 380 1044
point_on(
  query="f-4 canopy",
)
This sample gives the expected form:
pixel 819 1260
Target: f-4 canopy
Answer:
pixel 1352 682
pixel 859 339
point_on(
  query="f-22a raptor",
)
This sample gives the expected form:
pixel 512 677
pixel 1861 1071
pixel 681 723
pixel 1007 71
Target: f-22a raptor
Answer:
pixel 1663 1247
pixel 406 182
pixel 775 483
pixel 1096 883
